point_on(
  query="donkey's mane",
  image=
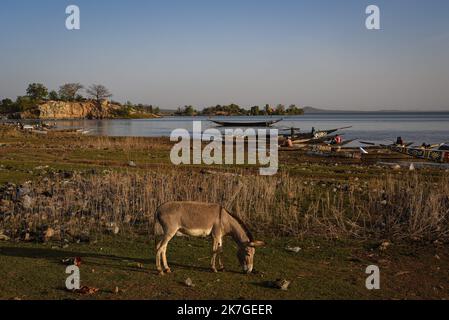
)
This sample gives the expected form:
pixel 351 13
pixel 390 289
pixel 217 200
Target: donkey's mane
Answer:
pixel 243 225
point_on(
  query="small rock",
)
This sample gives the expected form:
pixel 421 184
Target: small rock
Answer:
pixel 132 164
pixel 116 290
pixel 27 202
pixel 384 246
pixel 412 167
pixel 293 249
pixel 282 284
pixel 437 257
pixel 189 283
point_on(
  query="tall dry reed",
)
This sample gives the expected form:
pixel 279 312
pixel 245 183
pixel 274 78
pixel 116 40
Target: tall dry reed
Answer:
pixel 407 208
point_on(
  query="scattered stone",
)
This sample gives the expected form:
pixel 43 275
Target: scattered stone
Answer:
pixel 132 164
pixel 282 284
pixel 384 246
pixel 116 290
pixel 293 249
pixel 437 257
pixel 27 202
pixel 189 283
pixel 412 167
pixel 383 202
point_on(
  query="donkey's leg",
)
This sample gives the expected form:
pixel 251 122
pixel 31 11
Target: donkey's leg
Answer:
pixel 220 254
pixel 159 256
pixel 164 250
pixel 214 254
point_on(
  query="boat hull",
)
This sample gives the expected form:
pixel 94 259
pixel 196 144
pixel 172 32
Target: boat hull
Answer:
pixel 440 156
pixel 246 124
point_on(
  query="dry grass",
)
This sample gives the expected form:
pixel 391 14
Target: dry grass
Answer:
pixel 405 208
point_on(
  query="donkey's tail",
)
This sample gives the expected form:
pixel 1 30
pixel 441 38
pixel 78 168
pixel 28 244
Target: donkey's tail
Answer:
pixel 157 226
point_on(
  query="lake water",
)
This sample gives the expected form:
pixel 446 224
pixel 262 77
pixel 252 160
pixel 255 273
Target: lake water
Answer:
pixel 376 126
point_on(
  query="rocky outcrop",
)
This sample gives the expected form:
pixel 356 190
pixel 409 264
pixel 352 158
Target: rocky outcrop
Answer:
pixel 73 110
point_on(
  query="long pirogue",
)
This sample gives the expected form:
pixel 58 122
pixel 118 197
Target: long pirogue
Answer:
pixel 441 156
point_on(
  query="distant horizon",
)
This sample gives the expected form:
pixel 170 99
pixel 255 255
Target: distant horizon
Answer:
pixel 203 53
pixel 340 110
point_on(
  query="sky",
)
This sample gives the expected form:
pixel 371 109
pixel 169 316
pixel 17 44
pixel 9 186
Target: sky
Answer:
pixel 173 53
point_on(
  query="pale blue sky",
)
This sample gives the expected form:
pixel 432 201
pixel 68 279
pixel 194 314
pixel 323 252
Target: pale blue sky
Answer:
pixel 171 53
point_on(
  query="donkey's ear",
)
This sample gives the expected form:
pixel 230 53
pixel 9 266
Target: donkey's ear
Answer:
pixel 257 243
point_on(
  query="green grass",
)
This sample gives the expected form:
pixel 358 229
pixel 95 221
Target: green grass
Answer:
pixel 321 270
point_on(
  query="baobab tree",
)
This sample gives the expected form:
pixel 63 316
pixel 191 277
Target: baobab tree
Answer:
pixel 98 92
pixel 69 91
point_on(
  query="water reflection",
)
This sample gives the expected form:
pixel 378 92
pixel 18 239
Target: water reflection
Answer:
pixel 417 127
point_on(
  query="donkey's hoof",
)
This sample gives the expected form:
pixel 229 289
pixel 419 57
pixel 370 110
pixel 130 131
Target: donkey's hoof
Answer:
pixel 168 270
pixel 161 273
pixel 221 269
pixel 214 270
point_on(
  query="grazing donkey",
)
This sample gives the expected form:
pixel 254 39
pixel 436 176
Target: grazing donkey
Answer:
pixel 200 220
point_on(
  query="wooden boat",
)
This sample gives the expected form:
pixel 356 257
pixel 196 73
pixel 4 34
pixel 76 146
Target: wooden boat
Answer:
pixel 314 135
pixel 313 140
pixel 440 156
pixel 237 124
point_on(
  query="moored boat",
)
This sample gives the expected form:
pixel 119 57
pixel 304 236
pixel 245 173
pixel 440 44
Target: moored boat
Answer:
pixel 237 124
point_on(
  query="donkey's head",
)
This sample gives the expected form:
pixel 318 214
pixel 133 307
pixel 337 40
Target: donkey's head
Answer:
pixel 246 253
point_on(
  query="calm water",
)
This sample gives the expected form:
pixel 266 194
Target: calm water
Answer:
pixel 416 127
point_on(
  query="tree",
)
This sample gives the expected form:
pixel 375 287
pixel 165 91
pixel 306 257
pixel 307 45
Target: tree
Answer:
pixel 255 111
pixel 268 109
pixel 69 91
pixel 98 92
pixel 186 111
pixel 53 95
pixel 24 103
pixel 189 110
pixel 280 109
pixel 6 106
pixel 37 91
pixel 294 110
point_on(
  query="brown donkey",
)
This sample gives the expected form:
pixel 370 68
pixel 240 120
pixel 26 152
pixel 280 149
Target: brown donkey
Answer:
pixel 200 220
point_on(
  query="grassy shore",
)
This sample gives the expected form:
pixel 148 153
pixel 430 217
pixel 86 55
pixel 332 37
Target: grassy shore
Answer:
pixel 97 196
pixel 321 270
